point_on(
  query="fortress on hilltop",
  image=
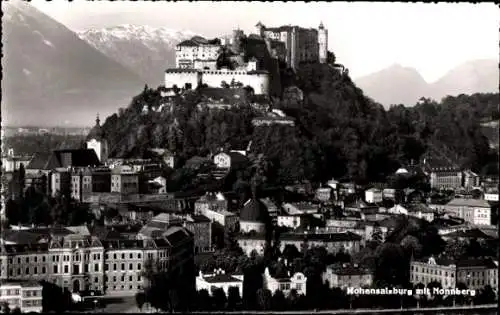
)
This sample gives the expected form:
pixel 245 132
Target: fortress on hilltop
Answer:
pixel 239 60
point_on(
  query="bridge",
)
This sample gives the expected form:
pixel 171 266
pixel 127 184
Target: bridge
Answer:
pixel 486 309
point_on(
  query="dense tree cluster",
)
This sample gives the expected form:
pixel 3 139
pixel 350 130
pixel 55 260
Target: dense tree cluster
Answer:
pixel 339 132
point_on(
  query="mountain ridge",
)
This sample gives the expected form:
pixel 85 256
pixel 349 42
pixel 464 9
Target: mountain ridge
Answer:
pixel 143 49
pixel 405 85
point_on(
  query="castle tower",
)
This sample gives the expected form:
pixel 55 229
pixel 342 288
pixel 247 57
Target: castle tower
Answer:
pixel 96 140
pixel 323 43
pixel 236 44
pixel 259 29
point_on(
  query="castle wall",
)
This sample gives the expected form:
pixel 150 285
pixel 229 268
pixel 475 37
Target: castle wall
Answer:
pixel 180 78
pixel 258 81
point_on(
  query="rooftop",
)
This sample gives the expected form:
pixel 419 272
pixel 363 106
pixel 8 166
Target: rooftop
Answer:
pixel 220 278
pixel 469 203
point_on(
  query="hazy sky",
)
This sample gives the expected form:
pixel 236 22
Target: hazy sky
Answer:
pixel 366 37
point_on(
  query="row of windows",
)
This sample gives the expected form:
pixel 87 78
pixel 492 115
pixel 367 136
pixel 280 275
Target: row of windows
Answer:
pixel 432 271
pixel 123 287
pixel 123 267
pixel 31 303
pixel 9 292
pixel 122 256
pixel 122 278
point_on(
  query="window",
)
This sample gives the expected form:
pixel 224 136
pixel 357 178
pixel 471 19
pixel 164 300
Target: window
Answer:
pixel 43 258
pixel 66 269
pixel 114 267
pixel 96 280
pixel 299 286
pixel 96 267
pixel 123 256
pixel 131 256
pixel 35 258
pixel 139 266
pixel 35 270
pixel 123 267
pixel 27 271
pixel 44 270
pixel 130 278
pixel 114 278
pixel 106 267
pixel 55 269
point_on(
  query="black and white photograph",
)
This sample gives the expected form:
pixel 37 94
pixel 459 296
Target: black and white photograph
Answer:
pixel 204 157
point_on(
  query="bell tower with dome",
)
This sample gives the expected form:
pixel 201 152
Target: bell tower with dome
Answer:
pixel 96 140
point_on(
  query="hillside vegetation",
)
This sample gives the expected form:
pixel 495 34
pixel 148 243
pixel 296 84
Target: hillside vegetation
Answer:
pixel 339 132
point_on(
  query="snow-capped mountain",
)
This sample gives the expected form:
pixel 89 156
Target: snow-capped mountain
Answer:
pixel 50 75
pixel 146 50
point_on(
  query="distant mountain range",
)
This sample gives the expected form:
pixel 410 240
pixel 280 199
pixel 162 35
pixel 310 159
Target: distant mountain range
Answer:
pixel 52 77
pixel 145 50
pixel 402 85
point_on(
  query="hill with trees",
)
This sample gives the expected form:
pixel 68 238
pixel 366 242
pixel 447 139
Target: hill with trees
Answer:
pixel 339 132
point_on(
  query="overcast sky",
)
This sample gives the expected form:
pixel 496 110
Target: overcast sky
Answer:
pixel 366 37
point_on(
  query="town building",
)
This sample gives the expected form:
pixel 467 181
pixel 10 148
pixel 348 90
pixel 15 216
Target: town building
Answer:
pixel 474 273
pixel 88 180
pixel 373 195
pixel 254 217
pixel 347 275
pixel 421 211
pixel 124 180
pixel 219 280
pixel 231 160
pixel 324 194
pixel 199 225
pixel 474 211
pixel 96 140
pixel 445 177
pixel 168 157
pixel 12 162
pixel 285 284
pixel 333 242
pixel 300 208
pixel 25 295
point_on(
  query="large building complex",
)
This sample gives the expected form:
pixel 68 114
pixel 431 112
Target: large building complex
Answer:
pixel 80 261
pixel 241 59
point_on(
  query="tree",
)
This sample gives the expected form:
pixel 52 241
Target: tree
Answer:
pixel 290 252
pixel 233 298
pixel 278 302
pixel 376 237
pixel 140 299
pixel 486 296
pixel 264 298
pixel 5 308
pixel 203 300
pixel 219 299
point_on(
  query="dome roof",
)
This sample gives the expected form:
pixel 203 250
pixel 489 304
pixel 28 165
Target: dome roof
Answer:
pixel 402 171
pixel 96 132
pixel 254 210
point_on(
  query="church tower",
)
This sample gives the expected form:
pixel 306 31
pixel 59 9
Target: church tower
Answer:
pixel 96 140
pixel 323 43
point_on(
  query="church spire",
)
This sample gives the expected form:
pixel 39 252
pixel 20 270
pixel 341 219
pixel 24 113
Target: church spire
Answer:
pixel 97 120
